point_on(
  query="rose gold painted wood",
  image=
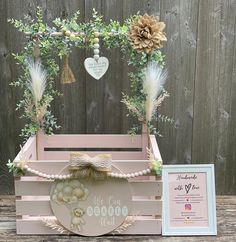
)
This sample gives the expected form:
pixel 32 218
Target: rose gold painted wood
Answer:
pixel 91 141
pixel 36 226
pixel 145 144
pixel 33 186
pixel 148 206
pixel 28 151
pixel 41 206
pixel 34 191
pixel 146 188
pixel 155 148
pixel 40 145
pixel 116 155
pixel 148 226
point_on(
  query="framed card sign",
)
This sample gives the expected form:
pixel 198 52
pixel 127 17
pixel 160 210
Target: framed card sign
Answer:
pixel 189 206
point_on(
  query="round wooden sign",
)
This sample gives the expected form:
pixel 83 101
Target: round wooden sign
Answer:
pixel 91 207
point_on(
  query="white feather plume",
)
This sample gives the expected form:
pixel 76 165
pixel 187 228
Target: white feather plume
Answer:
pixel 154 79
pixel 37 84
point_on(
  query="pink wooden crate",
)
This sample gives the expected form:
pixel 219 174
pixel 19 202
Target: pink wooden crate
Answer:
pixel 50 154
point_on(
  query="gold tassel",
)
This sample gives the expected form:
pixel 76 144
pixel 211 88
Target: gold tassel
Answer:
pixel 36 51
pixel 67 75
pixel 36 48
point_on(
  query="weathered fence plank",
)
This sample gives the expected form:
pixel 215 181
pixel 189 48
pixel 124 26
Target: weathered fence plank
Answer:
pixel 181 20
pixel 227 100
pixel 213 131
pixel 200 57
pixel 205 124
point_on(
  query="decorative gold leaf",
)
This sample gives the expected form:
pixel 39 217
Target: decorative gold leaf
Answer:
pixel 150 155
pixel 129 221
pixel 54 225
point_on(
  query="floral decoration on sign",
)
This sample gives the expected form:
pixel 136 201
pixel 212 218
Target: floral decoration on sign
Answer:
pixel 129 221
pixel 69 191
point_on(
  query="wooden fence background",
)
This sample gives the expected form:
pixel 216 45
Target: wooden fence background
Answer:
pixel 200 56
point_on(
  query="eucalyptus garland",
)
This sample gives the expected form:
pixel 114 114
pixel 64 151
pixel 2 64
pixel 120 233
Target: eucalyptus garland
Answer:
pixel 47 43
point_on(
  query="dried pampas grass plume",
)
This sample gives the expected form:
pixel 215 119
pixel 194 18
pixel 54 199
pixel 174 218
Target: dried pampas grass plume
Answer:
pixel 154 79
pixel 37 84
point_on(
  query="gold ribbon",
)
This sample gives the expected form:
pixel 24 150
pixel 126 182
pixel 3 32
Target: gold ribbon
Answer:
pixel 96 167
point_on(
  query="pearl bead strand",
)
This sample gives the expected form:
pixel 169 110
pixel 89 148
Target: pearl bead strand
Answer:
pixel 44 175
pixel 62 177
pixel 130 175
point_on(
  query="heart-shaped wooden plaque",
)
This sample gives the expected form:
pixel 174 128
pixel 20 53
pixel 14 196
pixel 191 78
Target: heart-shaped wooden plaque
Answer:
pixel 96 68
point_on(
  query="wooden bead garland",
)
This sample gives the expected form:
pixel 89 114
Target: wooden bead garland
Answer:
pixel 62 177
pixel 96 46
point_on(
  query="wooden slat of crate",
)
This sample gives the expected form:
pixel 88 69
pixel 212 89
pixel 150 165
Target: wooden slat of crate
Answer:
pixel 28 151
pixel 56 167
pixel 142 225
pixel 90 141
pixel 35 186
pixel 154 147
pixel 116 155
pixel 86 141
pixel 54 161
pixel 35 206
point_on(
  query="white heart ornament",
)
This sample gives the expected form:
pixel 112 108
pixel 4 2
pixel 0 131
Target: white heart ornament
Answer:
pixel 98 68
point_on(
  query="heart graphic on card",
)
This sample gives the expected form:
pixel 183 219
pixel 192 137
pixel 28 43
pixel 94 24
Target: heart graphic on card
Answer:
pixel 188 187
pixel 96 68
